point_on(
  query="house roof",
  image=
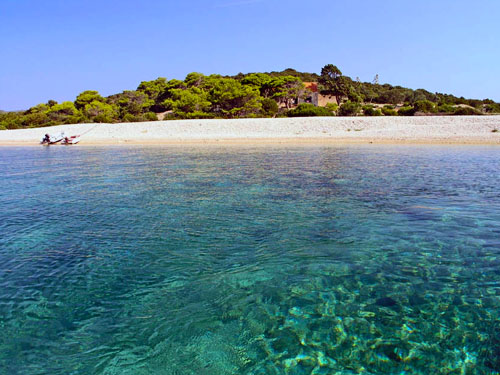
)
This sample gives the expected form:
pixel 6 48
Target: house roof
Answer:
pixel 313 86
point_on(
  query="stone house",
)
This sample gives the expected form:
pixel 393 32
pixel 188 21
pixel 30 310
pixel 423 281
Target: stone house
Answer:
pixel 313 96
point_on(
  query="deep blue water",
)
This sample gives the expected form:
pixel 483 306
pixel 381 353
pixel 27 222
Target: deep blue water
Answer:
pixel 227 260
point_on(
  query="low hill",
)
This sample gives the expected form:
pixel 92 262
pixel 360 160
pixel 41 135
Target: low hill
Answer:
pixel 250 95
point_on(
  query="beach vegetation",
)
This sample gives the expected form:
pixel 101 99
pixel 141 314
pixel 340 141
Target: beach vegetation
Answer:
pixel 11 120
pixel 231 99
pixel 370 111
pixel 150 116
pixel 308 110
pixel 388 110
pixel 492 108
pixel 130 102
pixel 373 112
pixel 425 106
pixel 332 107
pixel 97 111
pixel 154 89
pixel 445 108
pixel 197 115
pixel 466 111
pixel 269 107
pixel 192 99
pixel 406 111
pixel 86 98
pixel 257 94
pixel 332 82
pixel 349 109
pixel 64 113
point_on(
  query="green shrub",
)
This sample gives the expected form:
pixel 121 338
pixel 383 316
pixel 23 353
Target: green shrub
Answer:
pixel 332 107
pixel 425 106
pixel 128 117
pixel 406 111
pixel 466 111
pixel 370 111
pixel 269 107
pixel 349 109
pixel 198 115
pixel 446 108
pixel 476 103
pixel 308 110
pixel 493 108
pixel 150 116
pixel 389 111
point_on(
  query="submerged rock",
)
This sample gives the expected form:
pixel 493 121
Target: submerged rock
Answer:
pixel 386 302
pixel 415 300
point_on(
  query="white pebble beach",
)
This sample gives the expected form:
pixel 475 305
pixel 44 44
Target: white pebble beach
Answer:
pixel 424 129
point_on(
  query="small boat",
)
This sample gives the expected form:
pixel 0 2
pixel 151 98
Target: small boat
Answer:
pixel 52 139
pixel 73 140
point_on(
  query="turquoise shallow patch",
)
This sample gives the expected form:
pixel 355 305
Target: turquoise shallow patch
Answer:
pixel 310 260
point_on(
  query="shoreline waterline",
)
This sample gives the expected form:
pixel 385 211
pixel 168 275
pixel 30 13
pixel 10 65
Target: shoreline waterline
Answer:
pixel 268 142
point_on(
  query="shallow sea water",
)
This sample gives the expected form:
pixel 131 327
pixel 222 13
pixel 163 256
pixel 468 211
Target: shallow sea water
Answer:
pixel 230 260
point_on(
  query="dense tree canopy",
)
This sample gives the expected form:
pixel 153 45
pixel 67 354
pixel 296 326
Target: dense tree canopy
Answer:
pixel 245 95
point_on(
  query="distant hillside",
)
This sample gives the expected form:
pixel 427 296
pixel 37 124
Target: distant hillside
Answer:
pixel 272 94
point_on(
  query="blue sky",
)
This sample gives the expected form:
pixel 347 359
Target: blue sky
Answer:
pixel 55 49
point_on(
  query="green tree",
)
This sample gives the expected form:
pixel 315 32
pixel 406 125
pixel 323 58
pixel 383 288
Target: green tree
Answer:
pixel 88 97
pixel 36 116
pixel 231 99
pixel 194 79
pixel 286 90
pixel 334 83
pixel 39 108
pixel 131 102
pixel 189 100
pixel 269 107
pixel 266 84
pixel 11 120
pixel 155 91
pixel 64 113
pixel 97 111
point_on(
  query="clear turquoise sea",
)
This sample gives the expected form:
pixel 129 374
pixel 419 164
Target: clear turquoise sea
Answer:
pixel 273 260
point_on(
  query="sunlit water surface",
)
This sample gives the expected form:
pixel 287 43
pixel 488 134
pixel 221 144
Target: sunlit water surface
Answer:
pixel 225 260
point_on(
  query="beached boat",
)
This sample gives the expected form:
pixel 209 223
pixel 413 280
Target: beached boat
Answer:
pixel 73 140
pixel 52 139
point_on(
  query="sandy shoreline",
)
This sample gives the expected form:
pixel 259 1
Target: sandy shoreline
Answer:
pixel 315 130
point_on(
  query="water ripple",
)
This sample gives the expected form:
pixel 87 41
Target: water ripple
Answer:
pixel 380 260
